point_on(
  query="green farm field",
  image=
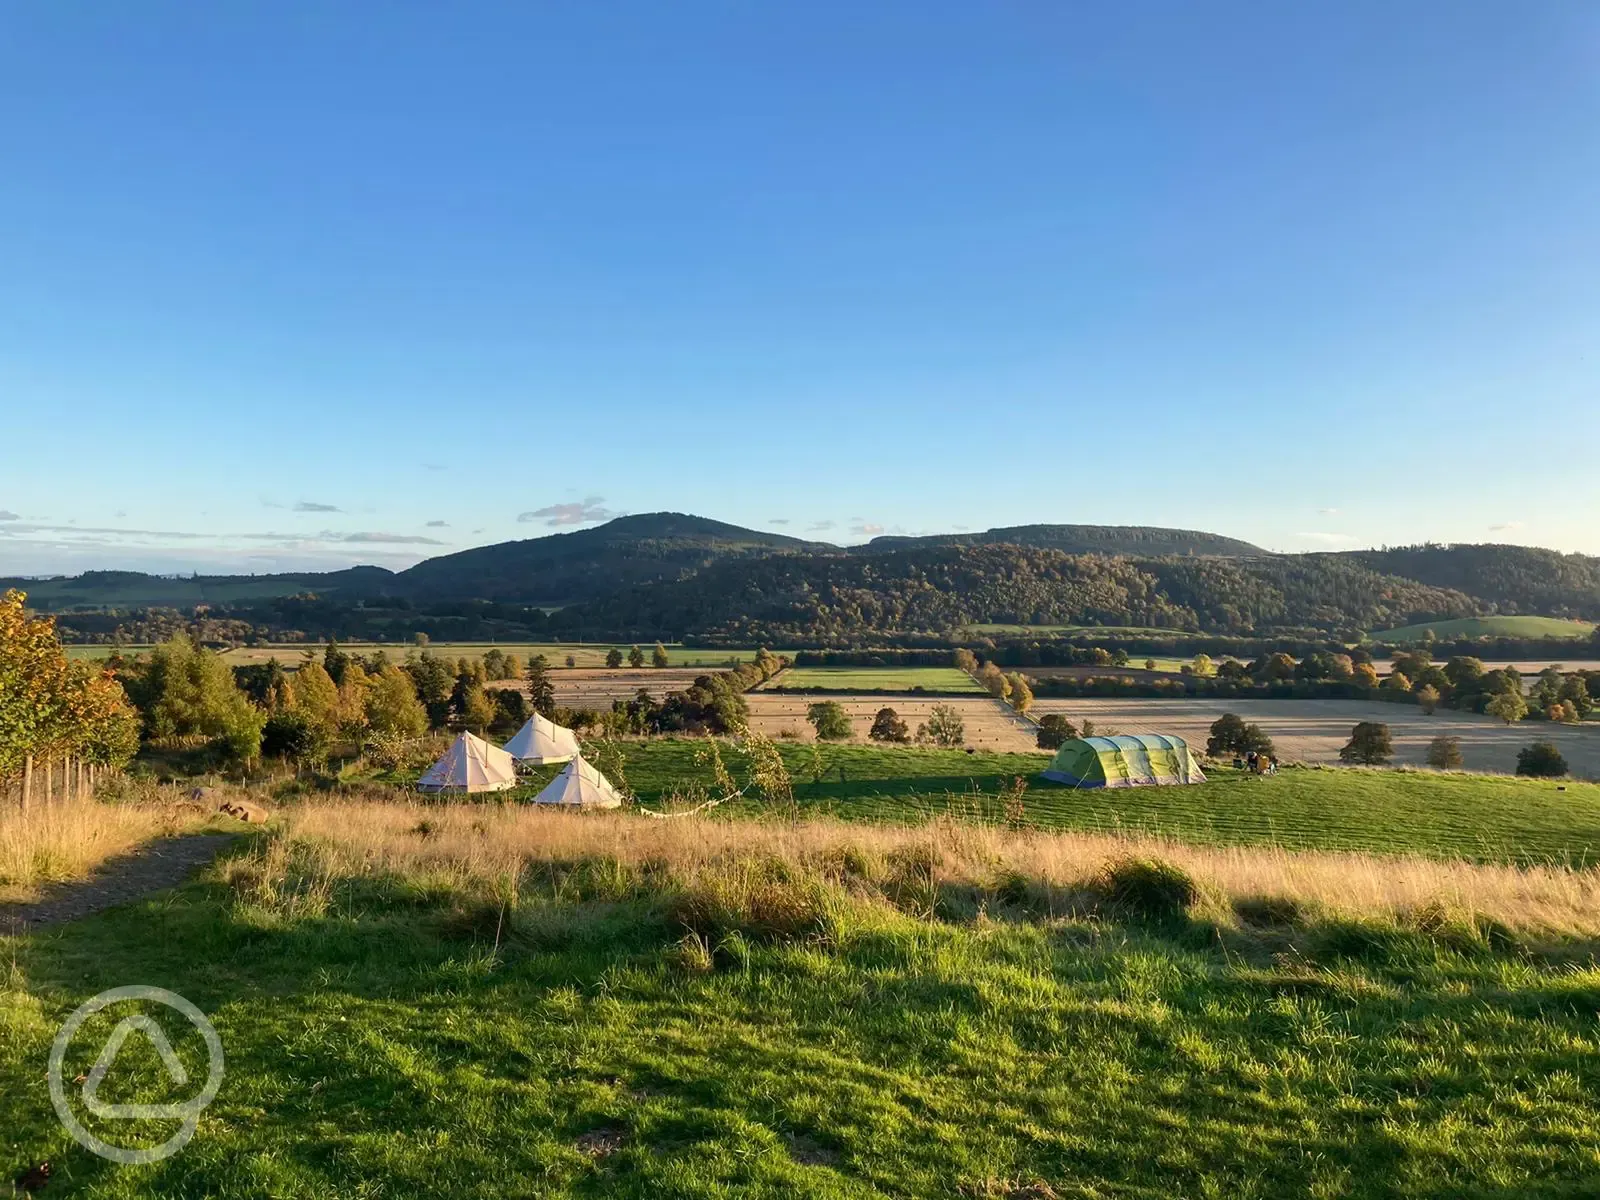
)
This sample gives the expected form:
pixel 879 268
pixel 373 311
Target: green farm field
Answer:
pixel 1484 818
pixel 1474 627
pixel 585 654
pixel 877 679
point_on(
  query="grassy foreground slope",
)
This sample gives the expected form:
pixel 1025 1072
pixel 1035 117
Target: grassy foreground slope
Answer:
pixel 407 1022
pixel 1491 818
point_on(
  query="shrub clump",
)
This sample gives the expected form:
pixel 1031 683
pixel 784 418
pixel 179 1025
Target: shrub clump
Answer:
pixel 1148 887
pixel 1542 760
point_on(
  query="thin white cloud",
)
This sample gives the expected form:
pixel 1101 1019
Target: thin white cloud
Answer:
pixel 1329 512
pixel 582 512
pixel 7 515
pixel 819 526
pixel 309 506
pixel 1505 526
pixel 438 524
pixel 777 520
pixel 384 539
pixel 867 529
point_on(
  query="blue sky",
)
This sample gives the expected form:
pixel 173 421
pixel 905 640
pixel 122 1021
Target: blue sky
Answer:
pixel 293 286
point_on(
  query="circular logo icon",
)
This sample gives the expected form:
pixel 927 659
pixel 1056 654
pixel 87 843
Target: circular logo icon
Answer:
pixel 188 1112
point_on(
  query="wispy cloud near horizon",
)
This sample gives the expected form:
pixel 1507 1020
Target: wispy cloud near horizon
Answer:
pixel 582 512
pixel 311 506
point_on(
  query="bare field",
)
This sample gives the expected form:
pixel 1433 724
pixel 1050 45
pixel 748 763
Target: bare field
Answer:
pixel 580 687
pixel 1314 730
pixel 989 725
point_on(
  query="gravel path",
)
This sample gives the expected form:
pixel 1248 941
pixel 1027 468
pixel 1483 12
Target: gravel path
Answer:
pixel 152 868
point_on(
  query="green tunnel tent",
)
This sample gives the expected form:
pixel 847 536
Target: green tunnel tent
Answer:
pixel 1125 760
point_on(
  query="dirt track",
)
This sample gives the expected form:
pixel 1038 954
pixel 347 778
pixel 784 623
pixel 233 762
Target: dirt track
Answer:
pixel 151 868
pixel 1314 730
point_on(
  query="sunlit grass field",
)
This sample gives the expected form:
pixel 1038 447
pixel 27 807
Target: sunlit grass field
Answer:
pixel 878 679
pixel 1491 818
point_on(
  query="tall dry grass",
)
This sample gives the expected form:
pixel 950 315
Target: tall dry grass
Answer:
pixel 68 839
pixel 491 848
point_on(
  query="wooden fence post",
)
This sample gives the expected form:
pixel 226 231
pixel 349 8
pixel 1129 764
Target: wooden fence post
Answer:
pixel 27 779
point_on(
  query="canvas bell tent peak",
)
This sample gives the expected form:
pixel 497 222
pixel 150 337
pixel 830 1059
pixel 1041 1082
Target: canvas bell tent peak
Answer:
pixel 580 785
pixel 470 765
pixel 541 740
pixel 1125 760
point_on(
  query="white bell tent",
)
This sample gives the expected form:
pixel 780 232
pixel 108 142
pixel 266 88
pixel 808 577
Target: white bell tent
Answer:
pixel 470 765
pixel 580 786
pixel 542 741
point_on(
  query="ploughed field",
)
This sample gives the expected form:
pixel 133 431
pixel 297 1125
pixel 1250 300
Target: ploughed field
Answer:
pixel 989 725
pixel 1314 730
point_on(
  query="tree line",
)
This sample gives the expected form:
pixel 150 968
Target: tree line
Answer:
pixel 54 711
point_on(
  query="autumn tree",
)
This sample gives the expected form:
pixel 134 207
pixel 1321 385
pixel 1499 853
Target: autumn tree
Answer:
pixel 964 660
pixel 1019 693
pixel 182 690
pixel 945 727
pixel 1370 744
pixel 830 720
pixel 1444 753
pixel 393 706
pixel 636 658
pixel 658 656
pixel 888 726
pixel 1054 731
pixel 1428 698
pixel 1510 707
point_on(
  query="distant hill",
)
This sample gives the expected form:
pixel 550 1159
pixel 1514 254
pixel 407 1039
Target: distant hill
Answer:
pixel 135 590
pixel 565 568
pixel 832 598
pixel 1135 541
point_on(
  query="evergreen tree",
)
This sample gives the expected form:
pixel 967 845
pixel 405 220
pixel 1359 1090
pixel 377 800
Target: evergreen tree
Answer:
pixel 541 690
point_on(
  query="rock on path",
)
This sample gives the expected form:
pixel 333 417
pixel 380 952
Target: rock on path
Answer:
pixel 152 868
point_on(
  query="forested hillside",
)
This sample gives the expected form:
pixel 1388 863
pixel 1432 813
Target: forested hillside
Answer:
pixel 1136 541
pixel 1516 579
pixel 833 598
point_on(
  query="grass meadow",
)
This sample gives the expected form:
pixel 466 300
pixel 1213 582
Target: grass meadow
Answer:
pixel 1487 818
pixel 917 980
pixel 887 680
pixel 486 1001
pixel 1499 626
